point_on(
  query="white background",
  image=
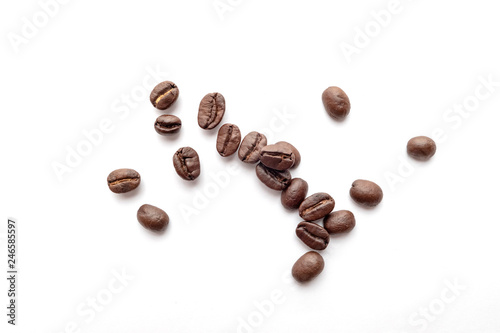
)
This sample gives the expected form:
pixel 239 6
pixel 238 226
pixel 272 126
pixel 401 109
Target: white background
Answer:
pixel 207 271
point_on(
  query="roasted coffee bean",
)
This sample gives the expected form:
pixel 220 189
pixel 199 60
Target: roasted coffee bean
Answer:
pixel 167 124
pixel 339 221
pixel 187 163
pixel 123 180
pixel 294 194
pixel 152 218
pixel 251 145
pixel 277 157
pixel 211 111
pixel 316 206
pixel 295 153
pixel 309 266
pixel 164 95
pixel 366 193
pixel 313 235
pixel 274 179
pixel 228 139
pixel 336 103
pixel 421 148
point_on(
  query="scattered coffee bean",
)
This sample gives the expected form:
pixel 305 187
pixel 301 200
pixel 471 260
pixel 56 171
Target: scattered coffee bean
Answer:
pixel 211 111
pixel 336 103
pixel 187 163
pixel 366 193
pixel 294 194
pixel 309 266
pixel 316 206
pixel 421 148
pixel 164 95
pixel 295 153
pixel 274 179
pixel 273 171
pixel 152 218
pixel 313 235
pixel 123 180
pixel 228 139
pixel 167 124
pixel 277 157
pixel 339 221
pixel 251 145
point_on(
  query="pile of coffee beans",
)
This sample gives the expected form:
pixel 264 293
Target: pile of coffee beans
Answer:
pixel 273 164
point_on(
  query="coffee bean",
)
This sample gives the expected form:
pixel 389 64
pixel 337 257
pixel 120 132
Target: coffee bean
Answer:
pixel 309 266
pixel 421 148
pixel 228 139
pixel 164 95
pixel 277 157
pixel 316 206
pixel 251 145
pixel 274 179
pixel 339 221
pixel 336 103
pixel 211 111
pixel 313 235
pixel 295 153
pixel 123 180
pixel 152 218
pixel 167 124
pixel 294 194
pixel 187 163
pixel 366 193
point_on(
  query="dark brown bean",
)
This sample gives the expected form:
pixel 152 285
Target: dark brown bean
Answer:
pixel 228 139
pixel 152 218
pixel 277 157
pixel 187 163
pixel 274 179
pixel 313 235
pixel 123 180
pixel 164 95
pixel 294 194
pixel 309 266
pixel 211 111
pixel 295 153
pixel 251 145
pixel 336 103
pixel 167 124
pixel 316 206
pixel 421 148
pixel 339 221
pixel 366 193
